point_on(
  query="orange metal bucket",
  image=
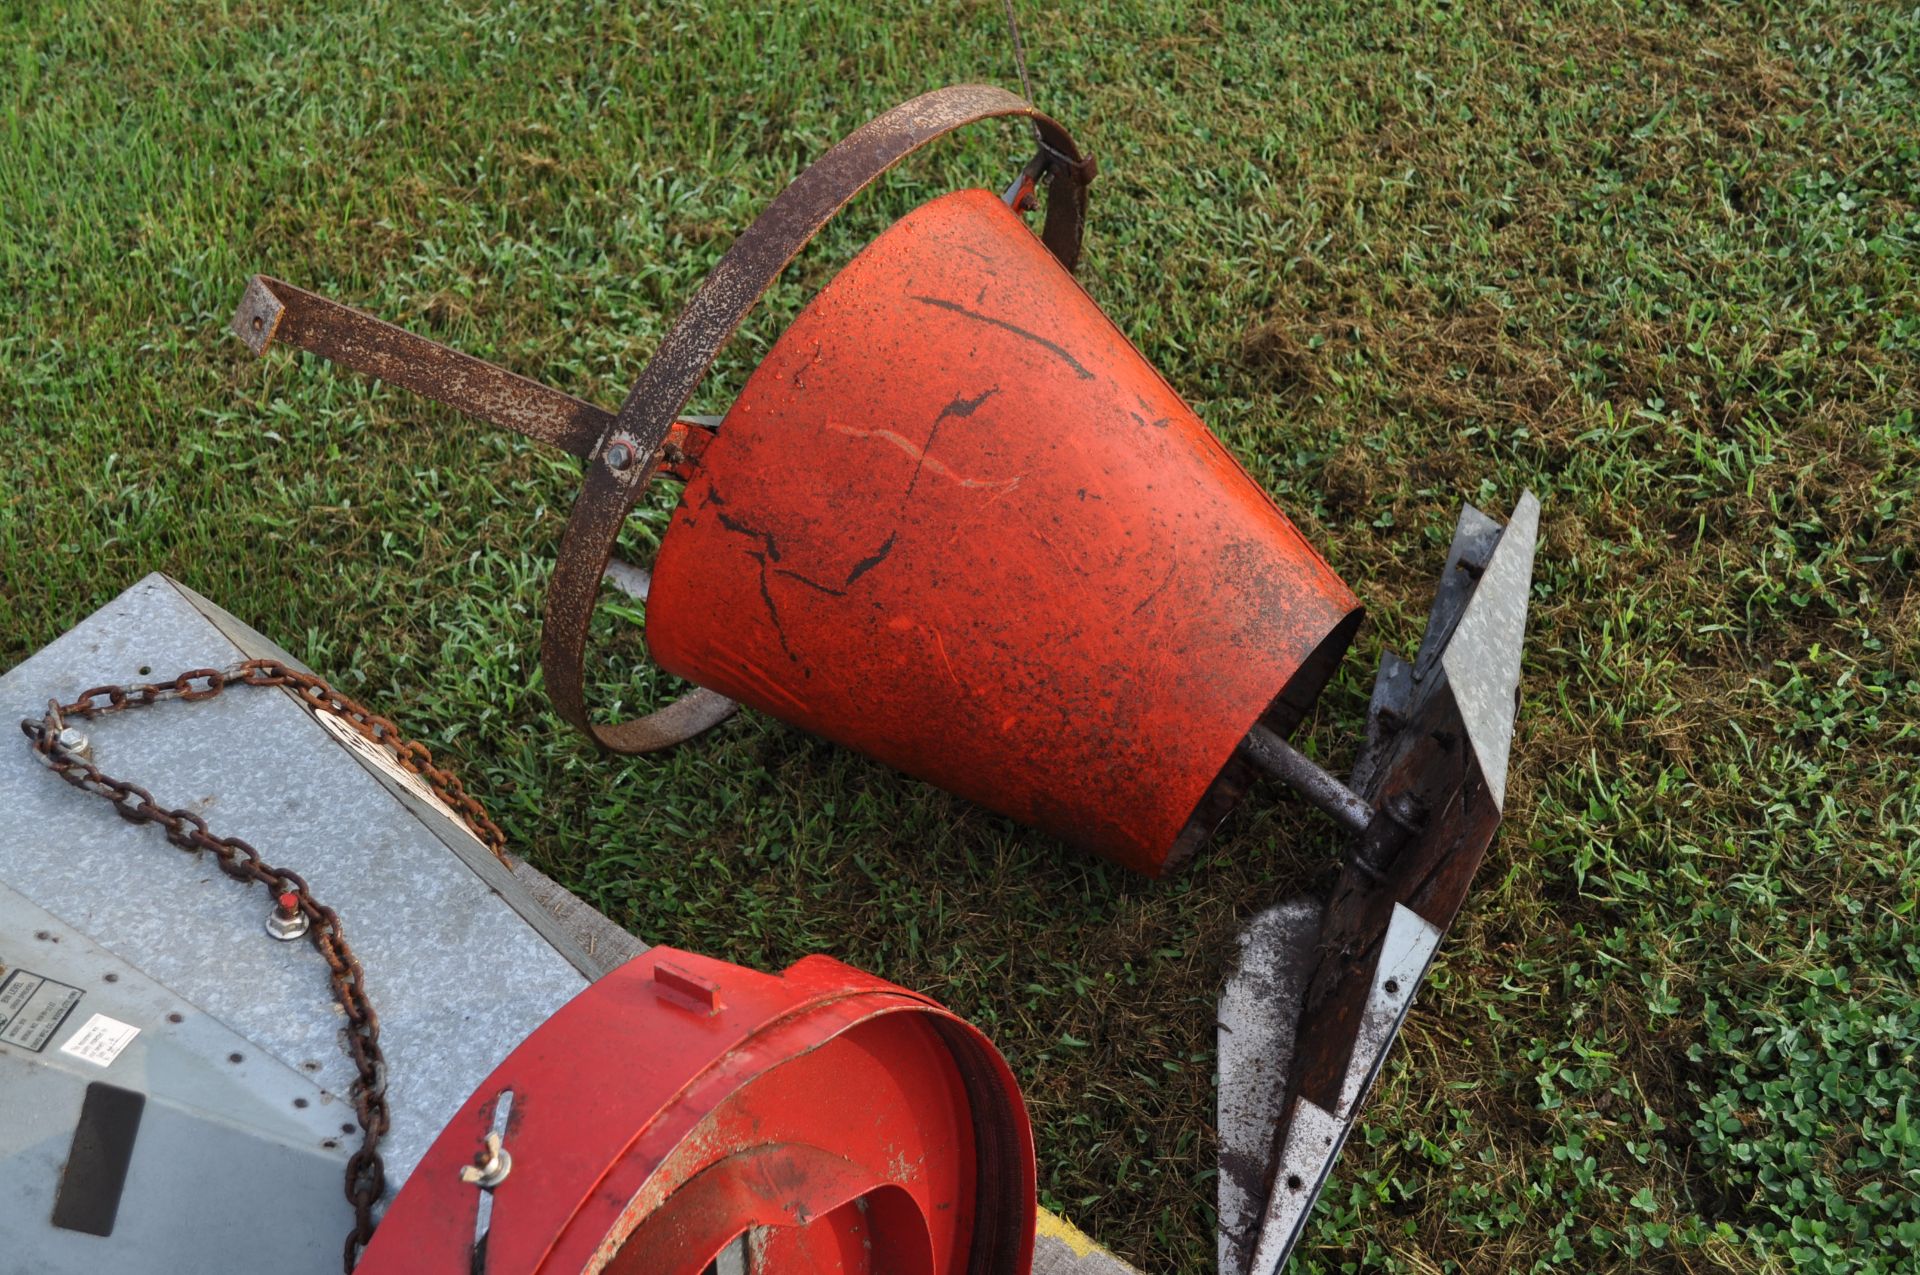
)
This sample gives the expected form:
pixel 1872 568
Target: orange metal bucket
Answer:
pixel 955 521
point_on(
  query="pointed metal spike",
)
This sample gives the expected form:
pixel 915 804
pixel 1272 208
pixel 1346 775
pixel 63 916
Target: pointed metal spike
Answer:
pixel 1474 537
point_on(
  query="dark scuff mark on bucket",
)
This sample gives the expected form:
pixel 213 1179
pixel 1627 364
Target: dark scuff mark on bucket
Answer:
pixel 865 565
pixel 1079 368
pixel 770 552
pixel 773 612
pixel 1157 590
pixel 811 583
pixel 741 528
pixel 960 409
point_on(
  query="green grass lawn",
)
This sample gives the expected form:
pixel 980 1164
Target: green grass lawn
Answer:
pixel 1657 261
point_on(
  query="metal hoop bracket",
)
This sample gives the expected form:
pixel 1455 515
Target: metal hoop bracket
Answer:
pixel 624 450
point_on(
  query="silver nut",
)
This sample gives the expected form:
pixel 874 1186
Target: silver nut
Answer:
pixel 72 739
pixel 489 1168
pixel 286 924
pixel 619 455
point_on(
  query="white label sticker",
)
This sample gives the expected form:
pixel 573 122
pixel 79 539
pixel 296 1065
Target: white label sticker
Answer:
pixel 383 760
pixel 100 1040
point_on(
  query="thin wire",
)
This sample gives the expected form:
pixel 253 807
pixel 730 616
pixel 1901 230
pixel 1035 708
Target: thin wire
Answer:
pixel 1020 61
pixel 1019 51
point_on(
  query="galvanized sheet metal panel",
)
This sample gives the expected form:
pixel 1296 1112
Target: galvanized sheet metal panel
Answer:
pixel 257 765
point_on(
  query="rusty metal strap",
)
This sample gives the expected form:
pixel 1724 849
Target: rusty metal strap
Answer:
pixel 628 448
pixel 273 311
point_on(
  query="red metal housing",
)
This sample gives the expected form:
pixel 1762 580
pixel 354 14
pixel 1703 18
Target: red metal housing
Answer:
pixel 840 1123
pixel 955 521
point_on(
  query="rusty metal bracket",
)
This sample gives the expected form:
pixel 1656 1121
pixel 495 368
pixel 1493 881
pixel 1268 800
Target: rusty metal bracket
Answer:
pixel 274 311
pixel 271 310
pixel 1428 793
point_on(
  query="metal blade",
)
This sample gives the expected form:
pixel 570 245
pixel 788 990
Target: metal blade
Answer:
pixel 1438 741
pixel 1482 660
pixel 1259 1009
pixel 1315 1136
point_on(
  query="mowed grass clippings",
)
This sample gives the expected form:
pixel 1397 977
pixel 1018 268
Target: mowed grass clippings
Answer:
pixel 1656 261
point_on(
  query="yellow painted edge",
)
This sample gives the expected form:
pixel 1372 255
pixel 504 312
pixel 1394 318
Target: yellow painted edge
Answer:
pixel 1055 1227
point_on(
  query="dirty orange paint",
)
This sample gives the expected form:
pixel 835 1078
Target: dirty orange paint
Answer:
pixel 955 496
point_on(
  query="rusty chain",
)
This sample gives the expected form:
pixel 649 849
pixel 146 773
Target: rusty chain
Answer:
pixel 366 1173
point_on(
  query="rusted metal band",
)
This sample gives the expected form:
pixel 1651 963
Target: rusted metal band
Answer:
pixel 628 449
pixel 271 310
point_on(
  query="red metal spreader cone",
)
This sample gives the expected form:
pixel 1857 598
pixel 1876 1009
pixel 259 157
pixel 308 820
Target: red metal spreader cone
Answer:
pixel 681 1107
pixel 957 522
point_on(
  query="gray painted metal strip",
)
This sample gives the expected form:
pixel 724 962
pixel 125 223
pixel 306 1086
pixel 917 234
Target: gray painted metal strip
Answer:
pixel 96 1170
